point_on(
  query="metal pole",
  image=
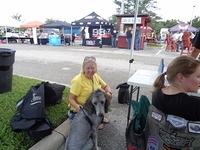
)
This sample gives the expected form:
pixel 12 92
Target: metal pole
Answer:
pixel 133 36
pixel 192 15
pixel 100 46
pixel 71 32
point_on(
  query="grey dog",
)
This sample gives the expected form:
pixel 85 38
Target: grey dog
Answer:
pixel 83 127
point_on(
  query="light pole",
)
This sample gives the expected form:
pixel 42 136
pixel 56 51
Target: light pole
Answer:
pixel 193 7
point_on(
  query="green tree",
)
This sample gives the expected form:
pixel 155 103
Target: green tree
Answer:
pixel 50 20
pixel 158 24
pixel 196 22
pixel 17 17
pixel 145 6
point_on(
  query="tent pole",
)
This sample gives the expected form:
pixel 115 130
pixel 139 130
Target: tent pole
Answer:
pixel 133 37
pixel 100 46
pixel 71 32
pixel 6 35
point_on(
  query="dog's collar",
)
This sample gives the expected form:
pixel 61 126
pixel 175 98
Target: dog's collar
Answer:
pixel 86 116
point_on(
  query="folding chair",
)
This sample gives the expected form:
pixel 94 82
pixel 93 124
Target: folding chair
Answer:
pixel 170 132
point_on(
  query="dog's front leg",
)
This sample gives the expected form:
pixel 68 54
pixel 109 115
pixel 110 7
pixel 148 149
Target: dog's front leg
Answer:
pixel 95 139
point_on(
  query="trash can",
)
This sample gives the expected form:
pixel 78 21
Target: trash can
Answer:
pixel 7 58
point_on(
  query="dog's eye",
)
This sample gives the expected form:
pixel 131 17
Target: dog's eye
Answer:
pixel 102 102
pixel 95 103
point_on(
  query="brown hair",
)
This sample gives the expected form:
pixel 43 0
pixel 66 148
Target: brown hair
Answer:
pixel 183 64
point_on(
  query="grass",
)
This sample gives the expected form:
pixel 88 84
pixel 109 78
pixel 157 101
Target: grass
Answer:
pixel 10 140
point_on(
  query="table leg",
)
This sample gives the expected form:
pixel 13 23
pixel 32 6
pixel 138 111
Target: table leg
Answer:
pixel 133 90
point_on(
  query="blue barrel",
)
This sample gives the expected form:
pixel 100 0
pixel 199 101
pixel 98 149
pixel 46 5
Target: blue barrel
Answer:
pixel 54 40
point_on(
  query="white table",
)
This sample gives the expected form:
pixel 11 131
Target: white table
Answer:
pixel 140 78
pixel 143 78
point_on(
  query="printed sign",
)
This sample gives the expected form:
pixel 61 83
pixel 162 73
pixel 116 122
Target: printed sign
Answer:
pixel 130 20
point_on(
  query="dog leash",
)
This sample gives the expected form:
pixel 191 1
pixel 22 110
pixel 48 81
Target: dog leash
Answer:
pixel 86 117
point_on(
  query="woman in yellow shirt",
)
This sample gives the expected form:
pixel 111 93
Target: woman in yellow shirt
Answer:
pixel 83 84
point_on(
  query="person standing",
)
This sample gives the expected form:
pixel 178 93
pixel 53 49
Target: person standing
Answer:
pixel 196 45
pixel 129 37
pixel 137 38
pixel 113 38
pixel 83 36
pixel 186 41
pixel 73 39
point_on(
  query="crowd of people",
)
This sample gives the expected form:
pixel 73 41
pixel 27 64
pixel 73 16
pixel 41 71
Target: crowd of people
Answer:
pixel 179 41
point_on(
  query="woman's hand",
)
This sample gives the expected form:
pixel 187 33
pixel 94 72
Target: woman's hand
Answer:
pixel 73 103
pixel 78 108
pixel 109 94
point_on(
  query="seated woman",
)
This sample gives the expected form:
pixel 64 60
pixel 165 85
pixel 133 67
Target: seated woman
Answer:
pixel 84 83
pixel 183 76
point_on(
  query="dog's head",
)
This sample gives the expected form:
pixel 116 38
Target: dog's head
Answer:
pixel 97 103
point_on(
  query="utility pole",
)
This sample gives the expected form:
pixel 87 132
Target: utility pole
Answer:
pixel 193 7
pixel 133 35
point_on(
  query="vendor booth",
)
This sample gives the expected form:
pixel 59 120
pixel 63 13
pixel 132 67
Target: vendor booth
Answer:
pixel 97 29
pixel 34 25
pixel 62 26
pixel 126 21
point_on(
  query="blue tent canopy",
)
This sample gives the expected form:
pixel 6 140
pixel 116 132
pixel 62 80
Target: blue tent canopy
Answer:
pixel 57 24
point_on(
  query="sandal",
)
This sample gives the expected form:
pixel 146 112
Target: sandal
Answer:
pixel 101 126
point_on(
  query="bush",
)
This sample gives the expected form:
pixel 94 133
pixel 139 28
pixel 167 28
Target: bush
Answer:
pixel 10 140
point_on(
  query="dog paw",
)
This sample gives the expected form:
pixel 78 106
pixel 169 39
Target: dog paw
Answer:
pixel 98 148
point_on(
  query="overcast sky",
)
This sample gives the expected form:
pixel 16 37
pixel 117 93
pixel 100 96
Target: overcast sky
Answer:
pixel 70 10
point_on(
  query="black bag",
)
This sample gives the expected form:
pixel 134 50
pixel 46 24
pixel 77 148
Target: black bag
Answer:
pixel 18 123
pixel 41 129
pixel 31 106
pixel 53 93
pixel 31 112
pixel 123 93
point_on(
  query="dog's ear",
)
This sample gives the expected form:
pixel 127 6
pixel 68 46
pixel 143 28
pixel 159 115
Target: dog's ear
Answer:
pixel 88 106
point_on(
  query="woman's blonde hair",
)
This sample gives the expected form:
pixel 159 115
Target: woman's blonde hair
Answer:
pixel 183 64
pixel 89 59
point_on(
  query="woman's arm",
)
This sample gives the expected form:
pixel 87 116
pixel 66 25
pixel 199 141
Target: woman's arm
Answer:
pixel 73 102
pixel 108 92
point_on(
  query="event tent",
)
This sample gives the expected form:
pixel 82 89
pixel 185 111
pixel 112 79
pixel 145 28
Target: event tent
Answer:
pixel 183 27
pixel 61 25
pixel 31 24
pixel 92 19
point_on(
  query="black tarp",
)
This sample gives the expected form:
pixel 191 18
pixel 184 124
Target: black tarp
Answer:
pixel 92 19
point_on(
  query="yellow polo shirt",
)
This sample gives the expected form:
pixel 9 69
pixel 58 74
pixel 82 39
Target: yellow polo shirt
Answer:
pixel 82 87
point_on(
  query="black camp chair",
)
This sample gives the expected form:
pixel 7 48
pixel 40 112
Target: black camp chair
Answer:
pixel 135 134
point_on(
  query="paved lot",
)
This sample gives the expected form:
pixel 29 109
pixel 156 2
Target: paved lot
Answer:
pixel 60 64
